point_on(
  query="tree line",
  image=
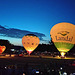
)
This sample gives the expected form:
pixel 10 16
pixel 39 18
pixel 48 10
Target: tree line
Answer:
pixel 41 47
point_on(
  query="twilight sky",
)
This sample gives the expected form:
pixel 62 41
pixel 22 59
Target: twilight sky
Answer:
pixel 21 17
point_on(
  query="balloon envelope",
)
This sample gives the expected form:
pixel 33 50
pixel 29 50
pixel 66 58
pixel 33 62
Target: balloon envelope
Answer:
pixel 62 35
pixel 2 49
pixel 30 42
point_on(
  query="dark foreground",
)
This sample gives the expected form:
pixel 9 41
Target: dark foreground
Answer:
pixel 31 65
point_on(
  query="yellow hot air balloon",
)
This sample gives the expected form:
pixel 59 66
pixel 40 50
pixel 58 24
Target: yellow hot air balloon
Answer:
pixel 30 42
pixel 62 35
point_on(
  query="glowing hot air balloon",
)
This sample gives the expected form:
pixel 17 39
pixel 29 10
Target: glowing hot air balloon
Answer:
pixel 2 49
pixel 30 42
pixel 62 35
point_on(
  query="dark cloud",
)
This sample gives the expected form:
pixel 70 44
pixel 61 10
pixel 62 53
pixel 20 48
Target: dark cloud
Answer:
pixel 17 33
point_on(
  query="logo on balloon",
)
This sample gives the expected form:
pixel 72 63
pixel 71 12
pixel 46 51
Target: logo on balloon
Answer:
pixel 64 38
pixel 63 33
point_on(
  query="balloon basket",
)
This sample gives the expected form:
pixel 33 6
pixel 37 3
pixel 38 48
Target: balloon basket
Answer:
pixel 62 54
pixel 29 52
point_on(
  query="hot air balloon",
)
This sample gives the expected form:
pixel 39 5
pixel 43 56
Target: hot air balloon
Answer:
pixel 30 42
pixel 62 35
pixel 2 49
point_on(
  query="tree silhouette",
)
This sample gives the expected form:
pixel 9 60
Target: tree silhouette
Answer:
pixel 7 44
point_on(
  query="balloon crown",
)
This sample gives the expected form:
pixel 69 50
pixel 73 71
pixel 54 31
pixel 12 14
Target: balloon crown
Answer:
pixel 30 35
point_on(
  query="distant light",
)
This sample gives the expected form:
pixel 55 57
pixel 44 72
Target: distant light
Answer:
pixel 61 68
pixel 52 70
pixel 12 55
pixel 58 55
pixel 12 49
pixel 23 73
pixel 64 73
pixel 37 71
pixel 7 55
pixel 5 67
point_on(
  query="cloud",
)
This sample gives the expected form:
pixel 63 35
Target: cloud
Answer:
pixel 17 33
